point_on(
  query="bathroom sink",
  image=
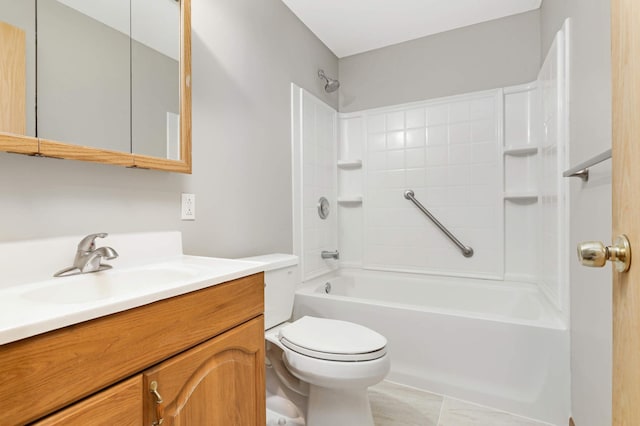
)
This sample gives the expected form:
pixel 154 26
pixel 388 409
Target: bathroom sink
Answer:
pixel 110 283
pixel 151 267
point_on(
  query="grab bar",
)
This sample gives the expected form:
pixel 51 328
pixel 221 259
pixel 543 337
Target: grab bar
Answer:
pixel 466 251
pixel 582 169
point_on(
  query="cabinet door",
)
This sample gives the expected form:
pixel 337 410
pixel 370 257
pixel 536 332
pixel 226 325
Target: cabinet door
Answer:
pixel 219 382
pixel 120 404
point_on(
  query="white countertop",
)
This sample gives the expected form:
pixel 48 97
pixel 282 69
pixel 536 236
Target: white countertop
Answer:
pixel 150 267
pixel 38 307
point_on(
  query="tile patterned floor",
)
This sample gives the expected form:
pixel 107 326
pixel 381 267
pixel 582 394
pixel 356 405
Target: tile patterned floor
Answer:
pixel 397 405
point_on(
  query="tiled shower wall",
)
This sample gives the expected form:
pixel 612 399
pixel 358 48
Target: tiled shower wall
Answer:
pixel 487 165
pixel 448 152
pixel 315 176
pixel 552 88
pixel 521 176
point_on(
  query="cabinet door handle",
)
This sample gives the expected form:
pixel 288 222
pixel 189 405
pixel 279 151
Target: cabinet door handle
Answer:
pixel 153 388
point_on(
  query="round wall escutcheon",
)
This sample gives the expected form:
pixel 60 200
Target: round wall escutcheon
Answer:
pixel 323 208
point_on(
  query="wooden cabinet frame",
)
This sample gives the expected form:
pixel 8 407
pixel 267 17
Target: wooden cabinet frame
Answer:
pixel 20 144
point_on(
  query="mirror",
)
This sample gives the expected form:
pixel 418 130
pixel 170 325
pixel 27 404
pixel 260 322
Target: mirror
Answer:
pixel 112 81
pixel 84 73
pixel 155 73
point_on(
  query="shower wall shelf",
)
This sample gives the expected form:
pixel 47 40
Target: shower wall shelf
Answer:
pixel 350 199
pixel 520 150
pixel 521 196
pixel 350 164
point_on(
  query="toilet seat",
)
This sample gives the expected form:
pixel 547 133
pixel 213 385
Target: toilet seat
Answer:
pixel 332 340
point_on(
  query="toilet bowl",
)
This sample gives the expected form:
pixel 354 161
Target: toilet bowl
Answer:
pixel 339 361
pixel 328 363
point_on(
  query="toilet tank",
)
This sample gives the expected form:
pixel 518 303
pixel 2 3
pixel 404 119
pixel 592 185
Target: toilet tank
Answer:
pixel 280 276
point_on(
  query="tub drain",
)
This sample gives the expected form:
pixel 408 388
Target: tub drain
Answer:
pixel 327 288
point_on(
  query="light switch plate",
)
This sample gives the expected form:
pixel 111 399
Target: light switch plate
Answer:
pixel 188 206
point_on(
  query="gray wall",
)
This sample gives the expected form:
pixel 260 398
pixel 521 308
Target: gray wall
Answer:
pixel 493 54
pixel 245 54
pixel 591 338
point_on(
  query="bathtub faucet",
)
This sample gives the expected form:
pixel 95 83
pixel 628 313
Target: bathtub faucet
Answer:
pixel 330 254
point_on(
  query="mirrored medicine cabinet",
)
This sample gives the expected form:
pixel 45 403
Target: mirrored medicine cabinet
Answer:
pixel 97 80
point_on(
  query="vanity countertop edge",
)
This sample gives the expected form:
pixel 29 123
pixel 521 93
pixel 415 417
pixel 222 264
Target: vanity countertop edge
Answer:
pixel 21 318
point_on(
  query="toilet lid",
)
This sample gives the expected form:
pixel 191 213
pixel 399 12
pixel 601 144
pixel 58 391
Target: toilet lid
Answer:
pixel 333 340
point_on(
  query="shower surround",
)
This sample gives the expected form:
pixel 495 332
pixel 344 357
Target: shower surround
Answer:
pixel 488 166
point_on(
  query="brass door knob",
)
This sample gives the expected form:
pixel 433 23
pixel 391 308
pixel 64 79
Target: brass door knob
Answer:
pixel 595 254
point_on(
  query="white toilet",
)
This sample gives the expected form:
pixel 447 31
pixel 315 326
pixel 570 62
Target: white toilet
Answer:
pixel 323 366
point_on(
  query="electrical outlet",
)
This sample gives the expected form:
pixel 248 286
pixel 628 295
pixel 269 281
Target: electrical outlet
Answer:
pixel 188 206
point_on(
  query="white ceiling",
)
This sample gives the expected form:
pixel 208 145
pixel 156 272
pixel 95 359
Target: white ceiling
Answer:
pixel 348 27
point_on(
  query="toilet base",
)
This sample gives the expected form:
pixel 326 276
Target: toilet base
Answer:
pixel 331 407
pixel 281 411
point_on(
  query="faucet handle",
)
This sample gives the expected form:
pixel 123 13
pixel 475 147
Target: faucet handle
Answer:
pixel 88 243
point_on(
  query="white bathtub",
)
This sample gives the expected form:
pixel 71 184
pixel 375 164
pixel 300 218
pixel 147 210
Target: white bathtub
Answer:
pixel 495 343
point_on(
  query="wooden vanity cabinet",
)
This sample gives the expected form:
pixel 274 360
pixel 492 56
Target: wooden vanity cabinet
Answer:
pixel 220 382
pixel 119 405
pixel 204 350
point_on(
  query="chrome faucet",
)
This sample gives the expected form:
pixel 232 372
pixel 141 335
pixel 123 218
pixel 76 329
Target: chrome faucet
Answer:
pixel 89 258
pixel 330 254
